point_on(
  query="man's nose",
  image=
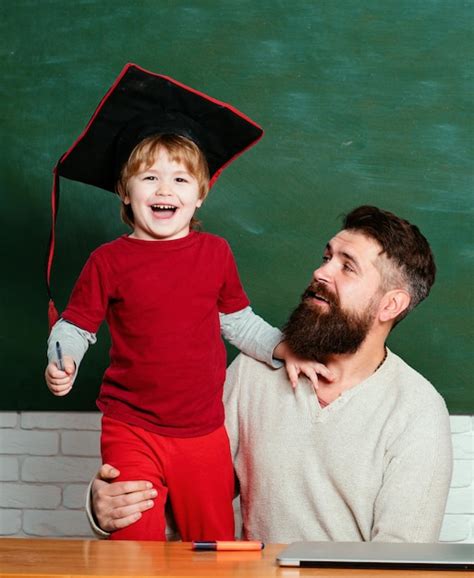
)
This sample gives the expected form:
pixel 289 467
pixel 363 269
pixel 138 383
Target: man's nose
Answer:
pixel 322 274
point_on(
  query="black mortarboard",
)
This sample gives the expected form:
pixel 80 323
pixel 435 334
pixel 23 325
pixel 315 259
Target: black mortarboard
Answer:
pixel 140 104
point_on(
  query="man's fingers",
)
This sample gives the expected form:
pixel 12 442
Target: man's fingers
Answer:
pixel 107 472
pixel 123 522
pixel 136 488
pixel 124 500
pixel 132 506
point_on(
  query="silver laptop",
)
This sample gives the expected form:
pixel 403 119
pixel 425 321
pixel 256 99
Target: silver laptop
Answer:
pixel 378 554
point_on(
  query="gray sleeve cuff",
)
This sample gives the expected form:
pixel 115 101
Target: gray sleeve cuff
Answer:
pixel 90 516
pixel 252 335
pixel 74 341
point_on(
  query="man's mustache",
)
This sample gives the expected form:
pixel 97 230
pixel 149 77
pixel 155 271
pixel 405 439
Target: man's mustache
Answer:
pixel 318 290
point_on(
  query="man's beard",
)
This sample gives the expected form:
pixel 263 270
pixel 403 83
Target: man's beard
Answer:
pixel 314 332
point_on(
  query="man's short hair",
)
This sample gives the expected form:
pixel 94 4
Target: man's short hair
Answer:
pixel 404 246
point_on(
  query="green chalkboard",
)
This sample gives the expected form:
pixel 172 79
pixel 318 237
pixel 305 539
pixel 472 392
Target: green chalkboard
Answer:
pixel 362 101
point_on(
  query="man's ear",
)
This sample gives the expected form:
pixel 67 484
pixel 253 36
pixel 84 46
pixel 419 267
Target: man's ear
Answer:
pixel 393 303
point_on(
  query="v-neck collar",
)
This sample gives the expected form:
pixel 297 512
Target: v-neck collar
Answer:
pixel 322 414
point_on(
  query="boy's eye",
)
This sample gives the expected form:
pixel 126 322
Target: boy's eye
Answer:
pixel 181 180
pixel 149 178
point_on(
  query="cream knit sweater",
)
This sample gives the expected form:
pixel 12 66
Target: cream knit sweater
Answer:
pixel 373 465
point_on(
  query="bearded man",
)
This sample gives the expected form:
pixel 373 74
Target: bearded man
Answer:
pixel 367 455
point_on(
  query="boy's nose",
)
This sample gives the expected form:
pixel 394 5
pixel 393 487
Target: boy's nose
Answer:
pixel 163 189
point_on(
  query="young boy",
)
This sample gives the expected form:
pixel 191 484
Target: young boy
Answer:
pixel 162 290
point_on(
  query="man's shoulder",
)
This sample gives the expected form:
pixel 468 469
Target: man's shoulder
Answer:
pixel 411 385
pixel 244 363
pixel 246 371
pixel 252 385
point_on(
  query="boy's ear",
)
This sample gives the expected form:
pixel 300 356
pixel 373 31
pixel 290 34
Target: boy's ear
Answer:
pixel 122 194
pixel 199 203
pixel 393 303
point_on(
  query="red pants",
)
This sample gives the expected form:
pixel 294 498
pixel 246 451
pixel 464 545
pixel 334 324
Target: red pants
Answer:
pixel 194 474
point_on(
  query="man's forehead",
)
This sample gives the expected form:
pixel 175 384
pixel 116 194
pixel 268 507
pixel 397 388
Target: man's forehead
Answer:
pixel 355 244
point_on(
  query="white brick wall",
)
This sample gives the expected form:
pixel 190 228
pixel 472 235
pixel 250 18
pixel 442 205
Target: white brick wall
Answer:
pixel 458 523
pixel 47 459
pixel 46 462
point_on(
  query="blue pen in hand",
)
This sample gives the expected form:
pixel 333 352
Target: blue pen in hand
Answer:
pixel 59 355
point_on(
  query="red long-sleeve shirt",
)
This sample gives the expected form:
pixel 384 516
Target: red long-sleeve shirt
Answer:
pixel 161 300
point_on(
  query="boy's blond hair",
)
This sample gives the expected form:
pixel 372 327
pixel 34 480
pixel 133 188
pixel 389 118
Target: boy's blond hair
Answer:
pixel 180 149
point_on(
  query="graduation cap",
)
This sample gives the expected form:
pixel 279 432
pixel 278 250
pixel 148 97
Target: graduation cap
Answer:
pixel 138 105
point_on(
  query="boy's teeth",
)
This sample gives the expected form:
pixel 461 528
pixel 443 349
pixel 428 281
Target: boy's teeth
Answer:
pixel 163 207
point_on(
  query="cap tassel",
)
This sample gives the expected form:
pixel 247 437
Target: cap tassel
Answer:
pixel 53 314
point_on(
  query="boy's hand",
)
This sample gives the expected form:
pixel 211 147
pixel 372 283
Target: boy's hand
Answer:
pixel 296 365
pixel 60 382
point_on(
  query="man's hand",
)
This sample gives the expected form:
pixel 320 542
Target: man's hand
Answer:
pixel 59 382
pixel 120 504
pixel 296 365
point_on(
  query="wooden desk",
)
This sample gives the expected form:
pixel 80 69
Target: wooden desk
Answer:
pixel 41 558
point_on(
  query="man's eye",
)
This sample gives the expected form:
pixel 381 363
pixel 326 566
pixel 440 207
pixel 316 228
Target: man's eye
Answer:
pixel 348 267
pixel 326 259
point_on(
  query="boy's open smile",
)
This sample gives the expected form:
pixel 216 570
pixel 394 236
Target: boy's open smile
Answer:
pixel 164 211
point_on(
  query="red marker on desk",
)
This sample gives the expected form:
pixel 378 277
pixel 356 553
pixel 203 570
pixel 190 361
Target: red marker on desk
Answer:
pixel 229 545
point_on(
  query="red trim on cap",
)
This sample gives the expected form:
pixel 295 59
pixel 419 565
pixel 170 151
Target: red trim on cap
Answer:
pixel 52 238
pixel 52 312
